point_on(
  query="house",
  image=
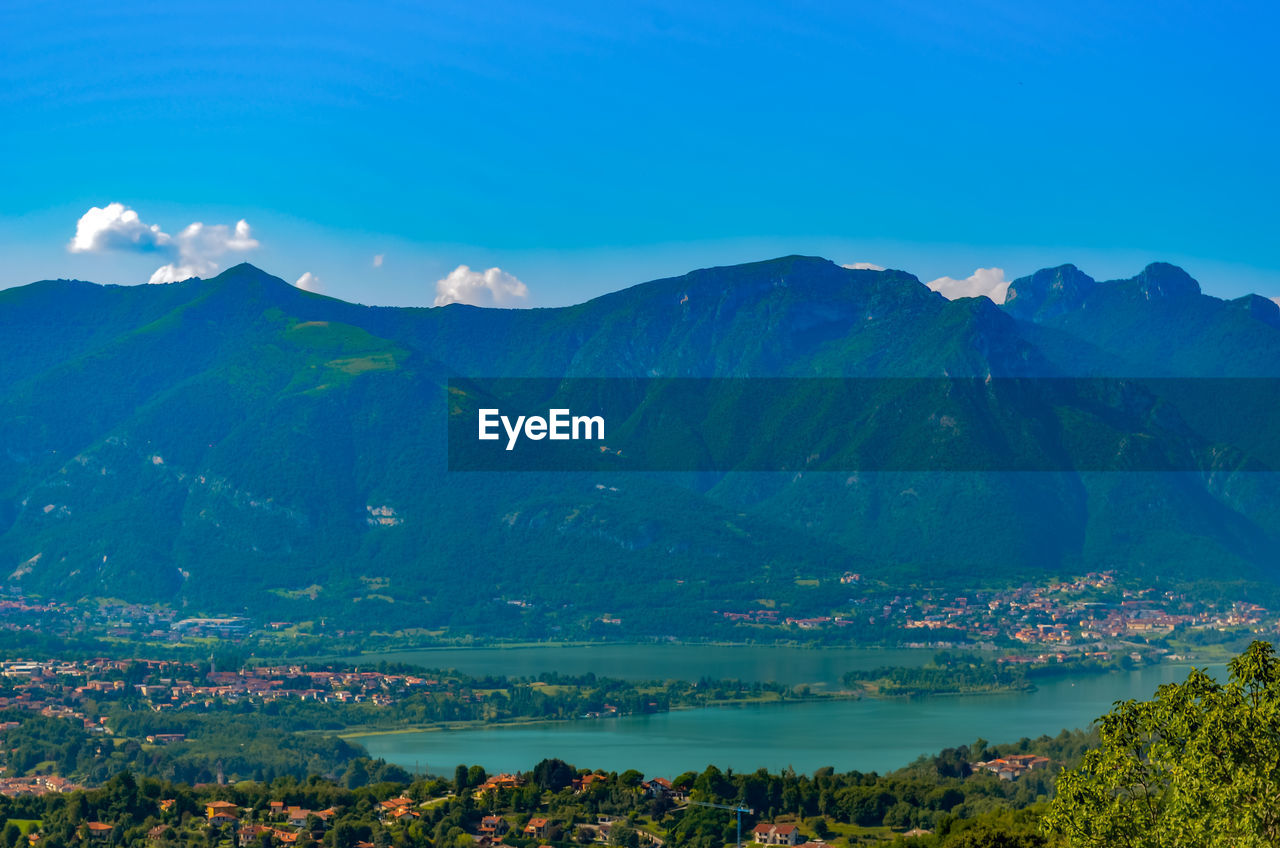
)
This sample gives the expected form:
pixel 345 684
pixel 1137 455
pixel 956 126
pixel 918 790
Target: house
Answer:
pixel 1012 767
pixel 221 812
pixel 767 833
pixel 156 834
pixel 393 807
pixel 99 830
pixel 582 783
pixel 1029 761
pixel 500 781
pixel 537 828
pixel 298 817
pixel 166 804
pixel 659 787
pixel 249 834
pixel 493 826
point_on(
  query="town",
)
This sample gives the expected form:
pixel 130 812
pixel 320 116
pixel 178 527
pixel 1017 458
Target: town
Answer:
pixel 1091 616
pixel 51 687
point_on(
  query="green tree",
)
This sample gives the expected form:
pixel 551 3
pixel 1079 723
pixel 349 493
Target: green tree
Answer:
pixel 553 774
pixel 623 836
pixel 993 836
pixel 344 835
pixel 900 815
pixel 630 778
pixel 1199 764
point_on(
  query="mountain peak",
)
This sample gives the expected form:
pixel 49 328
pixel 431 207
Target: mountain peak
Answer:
pixel 247 278
pixel 777 267
pixel 1261 308
pixel 244 271
pixel 1048 292
pixel 812 277
pixel 1161 280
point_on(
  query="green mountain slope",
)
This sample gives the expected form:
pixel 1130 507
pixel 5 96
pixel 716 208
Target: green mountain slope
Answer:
pixel 239 444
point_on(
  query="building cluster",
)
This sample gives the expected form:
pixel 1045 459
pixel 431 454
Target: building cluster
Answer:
pixel 113 619
pixel 1068 614
pixel 218 628
pixel 769 833
pixel 299 682
pixel 493 827
pixel 19 613
pixel 284 824
pixel 1012 767
pixel 13 787
pixel 56 687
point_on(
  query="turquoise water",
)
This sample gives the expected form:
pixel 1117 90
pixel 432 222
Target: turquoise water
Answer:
pixel 867 735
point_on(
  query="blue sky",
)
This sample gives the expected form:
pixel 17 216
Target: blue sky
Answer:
pixel 581 147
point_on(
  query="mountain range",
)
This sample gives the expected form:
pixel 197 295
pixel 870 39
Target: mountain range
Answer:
pixel 237 444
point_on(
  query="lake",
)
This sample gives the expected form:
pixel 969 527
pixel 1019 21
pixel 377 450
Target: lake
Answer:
pixel 867 735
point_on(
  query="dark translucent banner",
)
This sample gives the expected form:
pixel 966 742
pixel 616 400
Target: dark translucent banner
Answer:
pixel 892 424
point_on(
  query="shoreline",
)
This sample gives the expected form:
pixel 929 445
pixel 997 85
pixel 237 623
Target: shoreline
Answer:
pixel 869 693
pixel 843 695
pixel 524 646
pixel 360 730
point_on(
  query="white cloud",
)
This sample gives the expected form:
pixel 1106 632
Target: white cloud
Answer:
pixel 377 259
pixel 494 287
pixel 863 266
pixel 310 282
pixel 176 272
pixel 988 282
pixel 194 252
pixel 115 227
pixel 199 248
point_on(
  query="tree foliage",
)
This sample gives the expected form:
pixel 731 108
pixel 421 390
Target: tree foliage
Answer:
pixel 1199 764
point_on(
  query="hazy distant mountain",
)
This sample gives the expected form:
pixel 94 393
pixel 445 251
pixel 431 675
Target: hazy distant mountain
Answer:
pixel 1155 324
pixel 239 443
